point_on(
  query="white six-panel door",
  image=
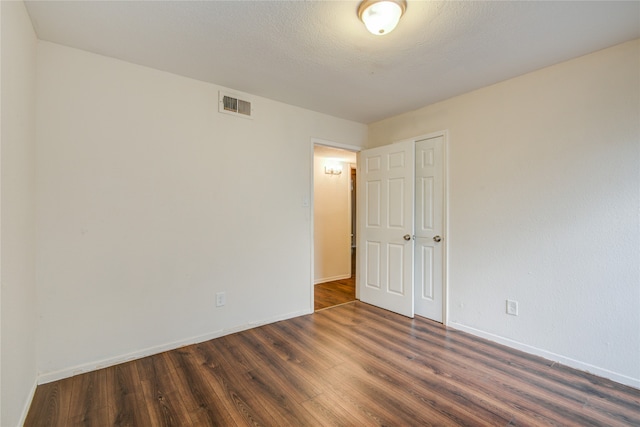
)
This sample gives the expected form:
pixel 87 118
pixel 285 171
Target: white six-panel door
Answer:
pixel 385 245
pixel 429 233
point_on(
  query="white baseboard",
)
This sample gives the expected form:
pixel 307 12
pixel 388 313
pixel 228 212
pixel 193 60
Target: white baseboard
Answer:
pixel 601 372
pixel 139 354
pixel 27 403
pixel 331 279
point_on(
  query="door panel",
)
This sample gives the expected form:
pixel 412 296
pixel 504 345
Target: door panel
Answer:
pixel 373 260
pixel 429 224
pixel 426 288
pixel 394 266
pixel 385 276
pixel 425 203
pixel 373 205
pixel 395 205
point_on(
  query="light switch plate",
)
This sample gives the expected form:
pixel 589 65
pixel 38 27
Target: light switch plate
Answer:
pixel 512 307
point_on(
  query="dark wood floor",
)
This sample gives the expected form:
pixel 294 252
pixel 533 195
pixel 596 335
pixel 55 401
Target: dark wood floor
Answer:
pixel 352 365
pixel 334 293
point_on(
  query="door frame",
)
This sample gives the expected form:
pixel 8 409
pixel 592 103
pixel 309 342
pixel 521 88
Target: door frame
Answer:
pixel 445 213
pixel 311 202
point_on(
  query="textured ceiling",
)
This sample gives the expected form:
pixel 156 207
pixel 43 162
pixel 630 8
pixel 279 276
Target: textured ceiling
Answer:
pixel 318 55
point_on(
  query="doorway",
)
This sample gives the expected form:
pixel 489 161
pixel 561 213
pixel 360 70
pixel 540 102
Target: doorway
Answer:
pixel 334 231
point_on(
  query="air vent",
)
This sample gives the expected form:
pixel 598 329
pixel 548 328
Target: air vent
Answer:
pixel 230 104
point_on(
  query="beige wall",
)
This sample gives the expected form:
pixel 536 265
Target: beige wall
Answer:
pixel 544 200
pixel 158 202
pixel 17 213
pixel 332 223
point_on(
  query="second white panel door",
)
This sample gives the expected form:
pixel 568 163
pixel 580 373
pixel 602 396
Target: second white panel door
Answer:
pixel 429 228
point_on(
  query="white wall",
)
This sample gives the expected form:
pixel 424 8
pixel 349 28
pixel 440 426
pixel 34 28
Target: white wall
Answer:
pixel 331 222
pixel 17 212
pixel 150 202
pixel 544 202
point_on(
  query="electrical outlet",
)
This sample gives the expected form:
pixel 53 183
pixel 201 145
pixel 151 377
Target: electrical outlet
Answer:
pixel 221 299
pixel 512 307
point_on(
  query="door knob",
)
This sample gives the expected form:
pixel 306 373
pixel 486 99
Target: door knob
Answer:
pixel 437 238
pixel 407 237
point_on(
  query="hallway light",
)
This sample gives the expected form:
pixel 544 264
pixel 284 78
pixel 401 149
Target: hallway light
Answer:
pixel 333 168
pixel 381 16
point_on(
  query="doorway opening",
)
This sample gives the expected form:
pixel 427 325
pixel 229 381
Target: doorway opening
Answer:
pixel 334 226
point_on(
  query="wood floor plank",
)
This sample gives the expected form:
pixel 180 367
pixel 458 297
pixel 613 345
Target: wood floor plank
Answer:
pixel 280 404
pixel 230 379
pixel 531 401
pixel 242 408
pixel 199 397
pixel 548 391
pixel 452 378
pixel 50 405
pixel 301 345
pixel 392 367
pixel 259 391
pixel 257 342
pixel 158 382
pixel 370 400
pixel 127 406
pixel 349 365
pixel 89 402
pixel 334 293
pixel 166 409
pixel 335 411
pixel 274 383
pixel 302 360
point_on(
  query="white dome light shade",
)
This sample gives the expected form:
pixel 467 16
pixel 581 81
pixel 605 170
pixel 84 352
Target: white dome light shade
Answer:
pixel 381 17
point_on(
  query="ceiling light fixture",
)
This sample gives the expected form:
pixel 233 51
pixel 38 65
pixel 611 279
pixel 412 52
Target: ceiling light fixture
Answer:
pixel 381 16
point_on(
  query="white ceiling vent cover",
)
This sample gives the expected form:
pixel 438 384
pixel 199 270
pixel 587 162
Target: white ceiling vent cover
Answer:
pixel 230 103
